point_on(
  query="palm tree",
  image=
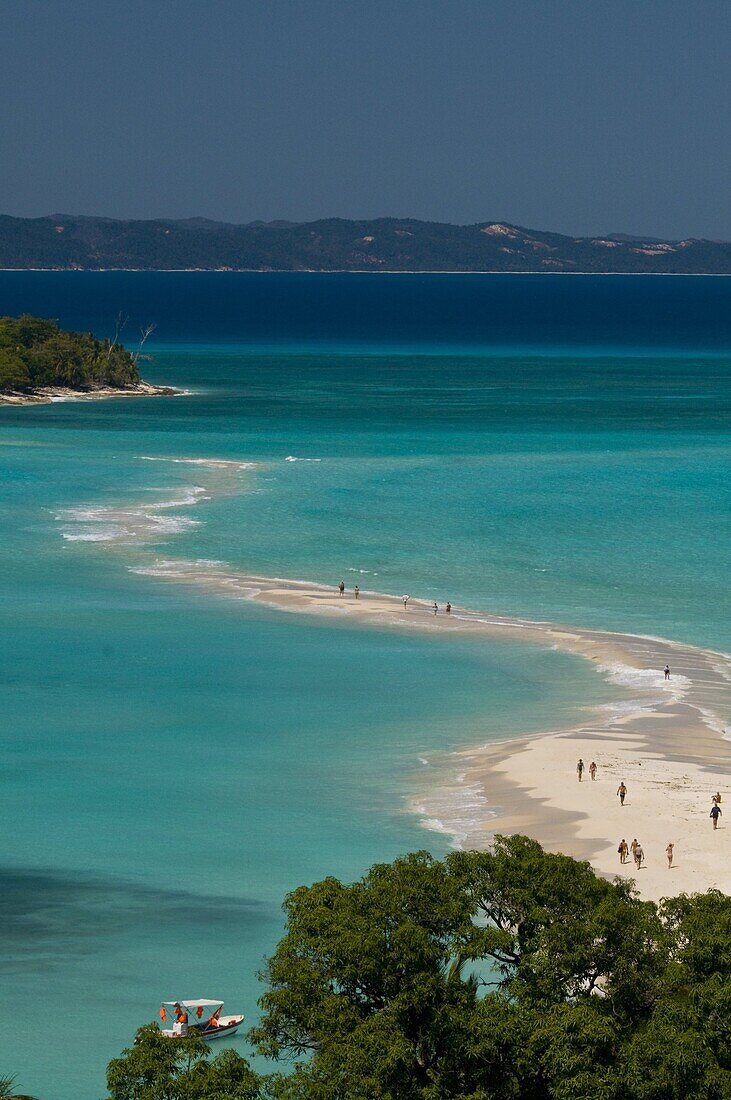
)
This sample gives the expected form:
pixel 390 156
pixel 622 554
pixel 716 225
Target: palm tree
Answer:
pixel 7 1091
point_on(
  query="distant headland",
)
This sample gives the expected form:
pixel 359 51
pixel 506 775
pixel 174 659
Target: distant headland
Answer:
pixel 41 363
pixel 67 242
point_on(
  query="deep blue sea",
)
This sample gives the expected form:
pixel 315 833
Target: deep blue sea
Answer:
pixel 173 762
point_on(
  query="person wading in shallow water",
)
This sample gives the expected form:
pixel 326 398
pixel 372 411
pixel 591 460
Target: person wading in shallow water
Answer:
pixel 622 792
pixel 357 592
pixel 716 812
pixel 436 607
pixel 341 587
pixel 666 670
pixel 449 608
pixel 580 769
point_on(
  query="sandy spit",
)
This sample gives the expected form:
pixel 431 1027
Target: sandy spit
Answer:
pixel 666 741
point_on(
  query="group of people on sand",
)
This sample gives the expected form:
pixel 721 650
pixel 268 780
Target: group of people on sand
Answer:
pixel 434 606
pixel 637 853
pixel 635 847
pixel 581 768
pixel 404 599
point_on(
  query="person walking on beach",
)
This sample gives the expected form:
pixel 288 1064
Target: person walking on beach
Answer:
pixel 667 672
pixel 436 607
pixel 341 586
pixel 622 792
pixel 357 592
pixel 405 600
pixel 669 854
pixel 580 769
pixel 639 856
pixel 592 771
pixel 715 813
pixel 623 850
pixel 633 846
pixel 449 608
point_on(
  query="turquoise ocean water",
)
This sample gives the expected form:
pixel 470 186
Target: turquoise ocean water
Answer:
pixel 173 762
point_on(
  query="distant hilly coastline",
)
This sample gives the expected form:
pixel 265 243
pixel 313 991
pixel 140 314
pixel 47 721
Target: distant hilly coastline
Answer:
pixel 68 242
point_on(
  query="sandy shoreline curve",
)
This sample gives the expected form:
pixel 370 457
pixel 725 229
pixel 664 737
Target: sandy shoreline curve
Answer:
pixel 666 741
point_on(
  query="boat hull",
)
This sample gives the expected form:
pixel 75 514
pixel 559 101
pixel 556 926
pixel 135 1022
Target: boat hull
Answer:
pixel 227 1025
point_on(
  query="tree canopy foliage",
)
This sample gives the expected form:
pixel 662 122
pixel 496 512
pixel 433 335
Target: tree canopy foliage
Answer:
pixel 35 352
pixel 159 1068
pixel 511 974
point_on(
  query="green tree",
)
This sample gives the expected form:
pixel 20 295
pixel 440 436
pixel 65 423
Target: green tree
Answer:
pixel 35 352
pixel 13 371
pixel 161 1068
pixel 510 973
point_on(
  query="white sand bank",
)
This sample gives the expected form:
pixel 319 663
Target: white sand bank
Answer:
pixel 666 743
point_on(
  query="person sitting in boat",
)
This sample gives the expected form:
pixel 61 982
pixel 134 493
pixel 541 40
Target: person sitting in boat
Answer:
pixel 180 1027
pixel 213 1021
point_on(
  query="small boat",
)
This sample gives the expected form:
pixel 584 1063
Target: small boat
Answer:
pixel 202 1015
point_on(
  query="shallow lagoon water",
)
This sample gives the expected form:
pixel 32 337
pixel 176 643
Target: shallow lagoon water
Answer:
pixel 173 763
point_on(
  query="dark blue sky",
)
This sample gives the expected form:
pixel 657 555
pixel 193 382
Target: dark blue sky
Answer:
pixel 589 116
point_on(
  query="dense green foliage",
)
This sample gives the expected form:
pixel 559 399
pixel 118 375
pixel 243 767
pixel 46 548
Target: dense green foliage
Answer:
pixel 336 244
pixel 158 1068
pixel 35 353
pixel 503 975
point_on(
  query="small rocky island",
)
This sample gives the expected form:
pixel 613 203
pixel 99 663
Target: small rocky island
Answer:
pixel 41 362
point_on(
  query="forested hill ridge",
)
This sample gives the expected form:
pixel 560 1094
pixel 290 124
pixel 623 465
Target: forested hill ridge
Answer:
pixel 62 242
pixel 38 359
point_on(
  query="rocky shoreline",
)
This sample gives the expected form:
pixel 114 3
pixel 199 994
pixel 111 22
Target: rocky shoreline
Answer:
pixel 47 395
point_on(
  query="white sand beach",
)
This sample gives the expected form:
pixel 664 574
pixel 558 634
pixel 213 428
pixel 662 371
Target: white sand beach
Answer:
pixel 666 742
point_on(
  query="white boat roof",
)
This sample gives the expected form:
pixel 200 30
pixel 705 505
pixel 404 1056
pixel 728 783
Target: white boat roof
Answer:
pixel 201 1003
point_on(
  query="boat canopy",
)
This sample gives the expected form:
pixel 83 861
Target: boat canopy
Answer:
pixel 200 1003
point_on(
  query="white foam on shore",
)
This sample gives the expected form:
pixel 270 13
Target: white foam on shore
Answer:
pixel 110 525
pixel 148 522
pixel 210 463
pixel 133 525
pixel 644 679
pixel 98 534
pixel 192 495
pixel 457 809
